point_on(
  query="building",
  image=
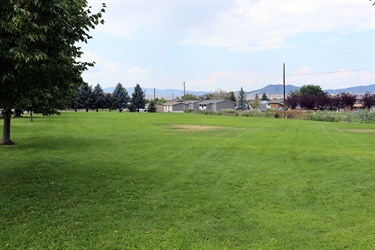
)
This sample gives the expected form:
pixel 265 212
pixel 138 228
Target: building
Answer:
pixel 216 105
pixel 192 104
pixel 175 106
pixel 276 104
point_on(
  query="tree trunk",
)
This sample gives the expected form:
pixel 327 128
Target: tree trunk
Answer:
pixel 31 116
pixel 18 113
pixel 6 129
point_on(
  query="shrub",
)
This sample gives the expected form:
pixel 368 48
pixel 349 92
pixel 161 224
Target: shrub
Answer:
pixel 362 116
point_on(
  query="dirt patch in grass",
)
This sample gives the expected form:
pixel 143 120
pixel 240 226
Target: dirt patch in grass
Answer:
pixel 360 130
pixel 192 128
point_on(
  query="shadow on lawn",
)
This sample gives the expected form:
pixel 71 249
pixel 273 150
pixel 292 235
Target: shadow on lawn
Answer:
pixel 49 175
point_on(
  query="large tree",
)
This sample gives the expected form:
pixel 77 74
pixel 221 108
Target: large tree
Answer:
pixel 346 100
pixel 219 94
pixel 85 97
pixel 368 100
pixel 311 90
pixel 138 100
pixel 230 96
pixel 98 97
pixel 120 97
pixel 308 97
pixel 108 101
pixel 292 99
pixel 38 51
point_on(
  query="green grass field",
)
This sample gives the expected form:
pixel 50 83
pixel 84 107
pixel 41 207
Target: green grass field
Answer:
pixel 186 181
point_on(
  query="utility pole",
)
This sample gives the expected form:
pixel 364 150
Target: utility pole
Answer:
pixel 154 93
pixel 184 95
pixel 284 90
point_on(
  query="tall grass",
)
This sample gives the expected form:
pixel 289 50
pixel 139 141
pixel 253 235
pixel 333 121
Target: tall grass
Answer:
pixel 186 181
pixel 362 116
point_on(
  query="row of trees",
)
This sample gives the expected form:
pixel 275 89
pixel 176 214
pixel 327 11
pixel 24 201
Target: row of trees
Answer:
pixel 88 98
pixel 218 94
pixel 95 98
pixel 313 97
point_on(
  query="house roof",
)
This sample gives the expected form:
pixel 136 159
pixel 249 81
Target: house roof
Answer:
pixel 171 103
pixel 214 101
pixel 276 102
pixel 191 101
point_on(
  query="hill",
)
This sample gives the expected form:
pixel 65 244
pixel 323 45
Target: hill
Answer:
pixel 168 94
pixel 355 90
pixel 276 90
pixel 272 91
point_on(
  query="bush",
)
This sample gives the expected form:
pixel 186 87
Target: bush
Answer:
pixel 363 116
pixel 270 113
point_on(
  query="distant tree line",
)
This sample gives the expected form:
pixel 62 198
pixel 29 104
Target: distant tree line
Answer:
pixel 95 99
pixel 313 97
pixel 218 94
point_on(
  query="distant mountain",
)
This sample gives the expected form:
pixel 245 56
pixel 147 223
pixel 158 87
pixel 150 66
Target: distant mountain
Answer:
pixel 168 94
pixel 354 90
pixel 272 91
pixel 276 90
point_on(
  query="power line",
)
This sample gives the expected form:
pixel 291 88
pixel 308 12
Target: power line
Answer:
pixel 330 72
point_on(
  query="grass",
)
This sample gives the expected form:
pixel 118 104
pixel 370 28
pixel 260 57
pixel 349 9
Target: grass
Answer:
pixel 186 181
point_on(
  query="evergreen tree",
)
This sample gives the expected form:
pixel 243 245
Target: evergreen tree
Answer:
pixel 98 97
pixel 138 100
pixel 264 97
pixel 241 105
pixel 85 97
pixel 151 107
pixel 108 101
pixel 74 104
pixel 120 98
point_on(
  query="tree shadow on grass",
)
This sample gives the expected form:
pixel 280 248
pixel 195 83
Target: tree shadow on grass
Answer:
pixel 58 185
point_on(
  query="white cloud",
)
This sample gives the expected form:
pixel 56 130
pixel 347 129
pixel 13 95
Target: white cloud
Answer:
pixel 266 25
pixel 330 40
pixel 139 71
pixel 113 72
pixel 228 80
pixel 331 80
pixel 303 70
pixel 236 26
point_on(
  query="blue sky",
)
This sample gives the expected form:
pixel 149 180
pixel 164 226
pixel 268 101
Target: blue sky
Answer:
pixel 229 44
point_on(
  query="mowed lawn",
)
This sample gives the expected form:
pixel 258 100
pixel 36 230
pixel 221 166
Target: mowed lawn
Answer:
pixel 185 181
